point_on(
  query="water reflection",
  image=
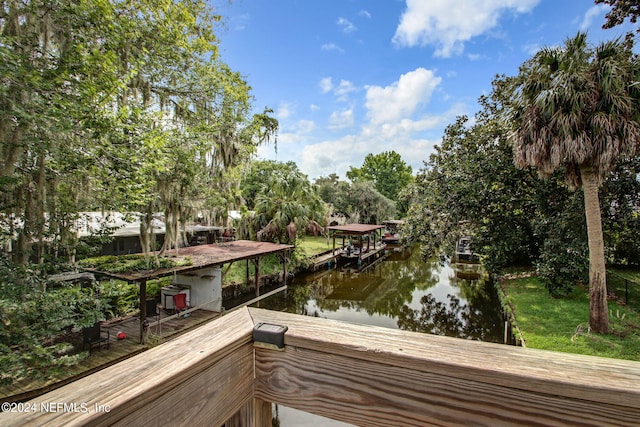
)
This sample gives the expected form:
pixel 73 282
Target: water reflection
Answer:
pixel 403 292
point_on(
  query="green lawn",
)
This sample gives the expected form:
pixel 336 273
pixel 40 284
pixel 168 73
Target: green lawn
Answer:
pixel 625 285
pixel 237 273
pixel 315 245
pixel 562 324
pixel 309 245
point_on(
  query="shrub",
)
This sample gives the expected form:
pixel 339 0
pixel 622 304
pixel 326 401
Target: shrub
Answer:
pixel 133 262
pixel 563 262
pixel 35 323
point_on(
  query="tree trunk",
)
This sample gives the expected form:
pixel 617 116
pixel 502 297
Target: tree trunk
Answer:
pixel 598 307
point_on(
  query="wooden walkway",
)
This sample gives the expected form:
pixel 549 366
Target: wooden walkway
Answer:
pixel 328 257
pixel 325 258
pixel 118 350
pixel 368 259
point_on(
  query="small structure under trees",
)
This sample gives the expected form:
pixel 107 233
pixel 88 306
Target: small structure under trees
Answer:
pixel 203 258
pixel 360 240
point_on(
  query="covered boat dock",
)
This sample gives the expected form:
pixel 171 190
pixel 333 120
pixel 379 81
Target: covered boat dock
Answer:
pixel 202 278
pixel 360 242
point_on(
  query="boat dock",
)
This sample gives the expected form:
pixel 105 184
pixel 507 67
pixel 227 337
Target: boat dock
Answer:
pixel 328 258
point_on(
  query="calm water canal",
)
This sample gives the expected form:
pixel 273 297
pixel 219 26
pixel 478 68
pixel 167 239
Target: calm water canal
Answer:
pixel 402 292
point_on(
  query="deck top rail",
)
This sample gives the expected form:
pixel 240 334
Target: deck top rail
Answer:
pixel 363 375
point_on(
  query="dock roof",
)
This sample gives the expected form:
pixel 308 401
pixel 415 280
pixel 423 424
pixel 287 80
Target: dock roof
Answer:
pixel 203 256
pixel 356 229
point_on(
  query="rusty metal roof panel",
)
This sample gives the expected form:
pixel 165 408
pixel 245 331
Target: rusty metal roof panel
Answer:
pixel 356 228
pixel 204 256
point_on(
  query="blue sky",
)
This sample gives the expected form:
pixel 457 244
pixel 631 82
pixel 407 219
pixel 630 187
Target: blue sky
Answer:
pixel 346 78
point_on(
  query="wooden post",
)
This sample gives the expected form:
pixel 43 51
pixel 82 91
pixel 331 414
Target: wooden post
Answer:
pixel 256 263
pixel 255 413
pixel 284 268
pixel 247 273
pixel 143 308
pixel 333 251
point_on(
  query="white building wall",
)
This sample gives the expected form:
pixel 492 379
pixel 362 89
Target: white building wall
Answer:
pixel 205 286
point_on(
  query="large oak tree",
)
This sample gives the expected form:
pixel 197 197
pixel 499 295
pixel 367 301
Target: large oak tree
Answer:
pixel 115 105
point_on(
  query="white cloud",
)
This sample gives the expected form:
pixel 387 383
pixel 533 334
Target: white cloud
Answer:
pixel 341 119
pixel 337 156
pixel 240 22
pixel 476 56
pixel 594 12
pixel 284 110
pixel 531 48
pixel 407 137
pixel 364 13
pixel 304 126
pixel 333 156
pixel 346 25
pixel 343 90
pixel 399 119
pixel 329 47
pixel 290 139
pixel 401 99
pixel 447 25
pixel 325 84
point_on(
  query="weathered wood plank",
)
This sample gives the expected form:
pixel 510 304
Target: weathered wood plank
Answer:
pixel 255 413
pixel 372 394
pixel 207 398
pixel 203 375
pixel 371 376
pixel 362 375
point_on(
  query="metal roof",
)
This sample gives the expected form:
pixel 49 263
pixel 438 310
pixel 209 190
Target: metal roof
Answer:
pixel 204 256
pixel 355 228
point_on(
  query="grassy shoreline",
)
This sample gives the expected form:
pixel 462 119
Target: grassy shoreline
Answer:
pixel 561 324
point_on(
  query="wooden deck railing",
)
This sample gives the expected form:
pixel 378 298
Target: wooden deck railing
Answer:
pixel 362 375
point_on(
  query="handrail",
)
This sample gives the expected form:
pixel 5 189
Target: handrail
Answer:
pixel 372 376
pixel 201 376
pixel 363 375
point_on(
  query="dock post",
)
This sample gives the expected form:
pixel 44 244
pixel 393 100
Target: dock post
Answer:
pixel 255 413
pixel 143 308
pixel 256 263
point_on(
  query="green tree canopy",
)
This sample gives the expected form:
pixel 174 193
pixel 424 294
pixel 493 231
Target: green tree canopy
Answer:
pixel 335 193
pixel 116 105
pixel 260 173
pixel 359 201
pixel 388 172
pixel 621 10
pixel 368 205
pixel 471 186
pixel 285 203
pixel 119 105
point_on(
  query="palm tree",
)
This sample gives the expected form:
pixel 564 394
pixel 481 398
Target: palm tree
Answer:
pixel 286 204
pixel 576 107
